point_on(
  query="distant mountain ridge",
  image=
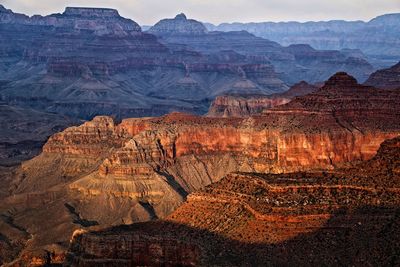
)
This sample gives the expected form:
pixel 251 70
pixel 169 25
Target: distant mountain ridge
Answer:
pixel 294 63
pixel 377 37
pixel 102 20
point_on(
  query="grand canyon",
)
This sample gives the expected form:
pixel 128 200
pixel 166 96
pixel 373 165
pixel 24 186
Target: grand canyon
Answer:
pixel 192 144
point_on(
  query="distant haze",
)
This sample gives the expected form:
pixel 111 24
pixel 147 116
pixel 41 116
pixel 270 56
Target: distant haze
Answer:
pixel 218 11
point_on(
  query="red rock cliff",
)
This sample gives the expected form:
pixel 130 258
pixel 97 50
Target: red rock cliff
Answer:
pixel 255 219
pixel 142 169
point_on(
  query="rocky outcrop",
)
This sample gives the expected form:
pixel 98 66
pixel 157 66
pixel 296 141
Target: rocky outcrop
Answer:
pixel 248 218
pixel 386 79
pixel 244 106
pixel 179 25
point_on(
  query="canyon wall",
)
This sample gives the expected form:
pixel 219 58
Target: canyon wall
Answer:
pixel 105 173
pixel 258 219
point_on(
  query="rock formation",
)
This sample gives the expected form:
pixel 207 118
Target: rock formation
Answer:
pixel 346 217
pixel 103 173
pixel 386 79
pixel 244 106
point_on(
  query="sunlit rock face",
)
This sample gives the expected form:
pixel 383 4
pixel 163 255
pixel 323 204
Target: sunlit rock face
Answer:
pixel 248 218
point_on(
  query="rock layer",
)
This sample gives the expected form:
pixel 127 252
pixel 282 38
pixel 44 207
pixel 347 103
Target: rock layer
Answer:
pixel 253 219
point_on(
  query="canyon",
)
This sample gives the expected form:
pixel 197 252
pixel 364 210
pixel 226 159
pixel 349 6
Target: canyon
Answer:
pixel 188 144
pixel 349 216
pixel 107 173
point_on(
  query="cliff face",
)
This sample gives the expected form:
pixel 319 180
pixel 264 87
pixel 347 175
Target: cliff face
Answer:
pixel 386 79
pixel 103 173
pixel 244 106
pixel 247 218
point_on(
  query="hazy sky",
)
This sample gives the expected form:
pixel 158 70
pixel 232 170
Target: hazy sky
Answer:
pixel 217 11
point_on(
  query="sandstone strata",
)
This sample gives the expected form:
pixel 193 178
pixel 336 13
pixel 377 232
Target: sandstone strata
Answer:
pixel 345 217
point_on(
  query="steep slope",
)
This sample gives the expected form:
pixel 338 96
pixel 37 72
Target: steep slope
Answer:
pixel 386 79
pixel 244 106
pixel 103 173
pixel 346 217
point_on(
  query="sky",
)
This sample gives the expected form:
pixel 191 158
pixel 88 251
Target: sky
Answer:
pixel 148 12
